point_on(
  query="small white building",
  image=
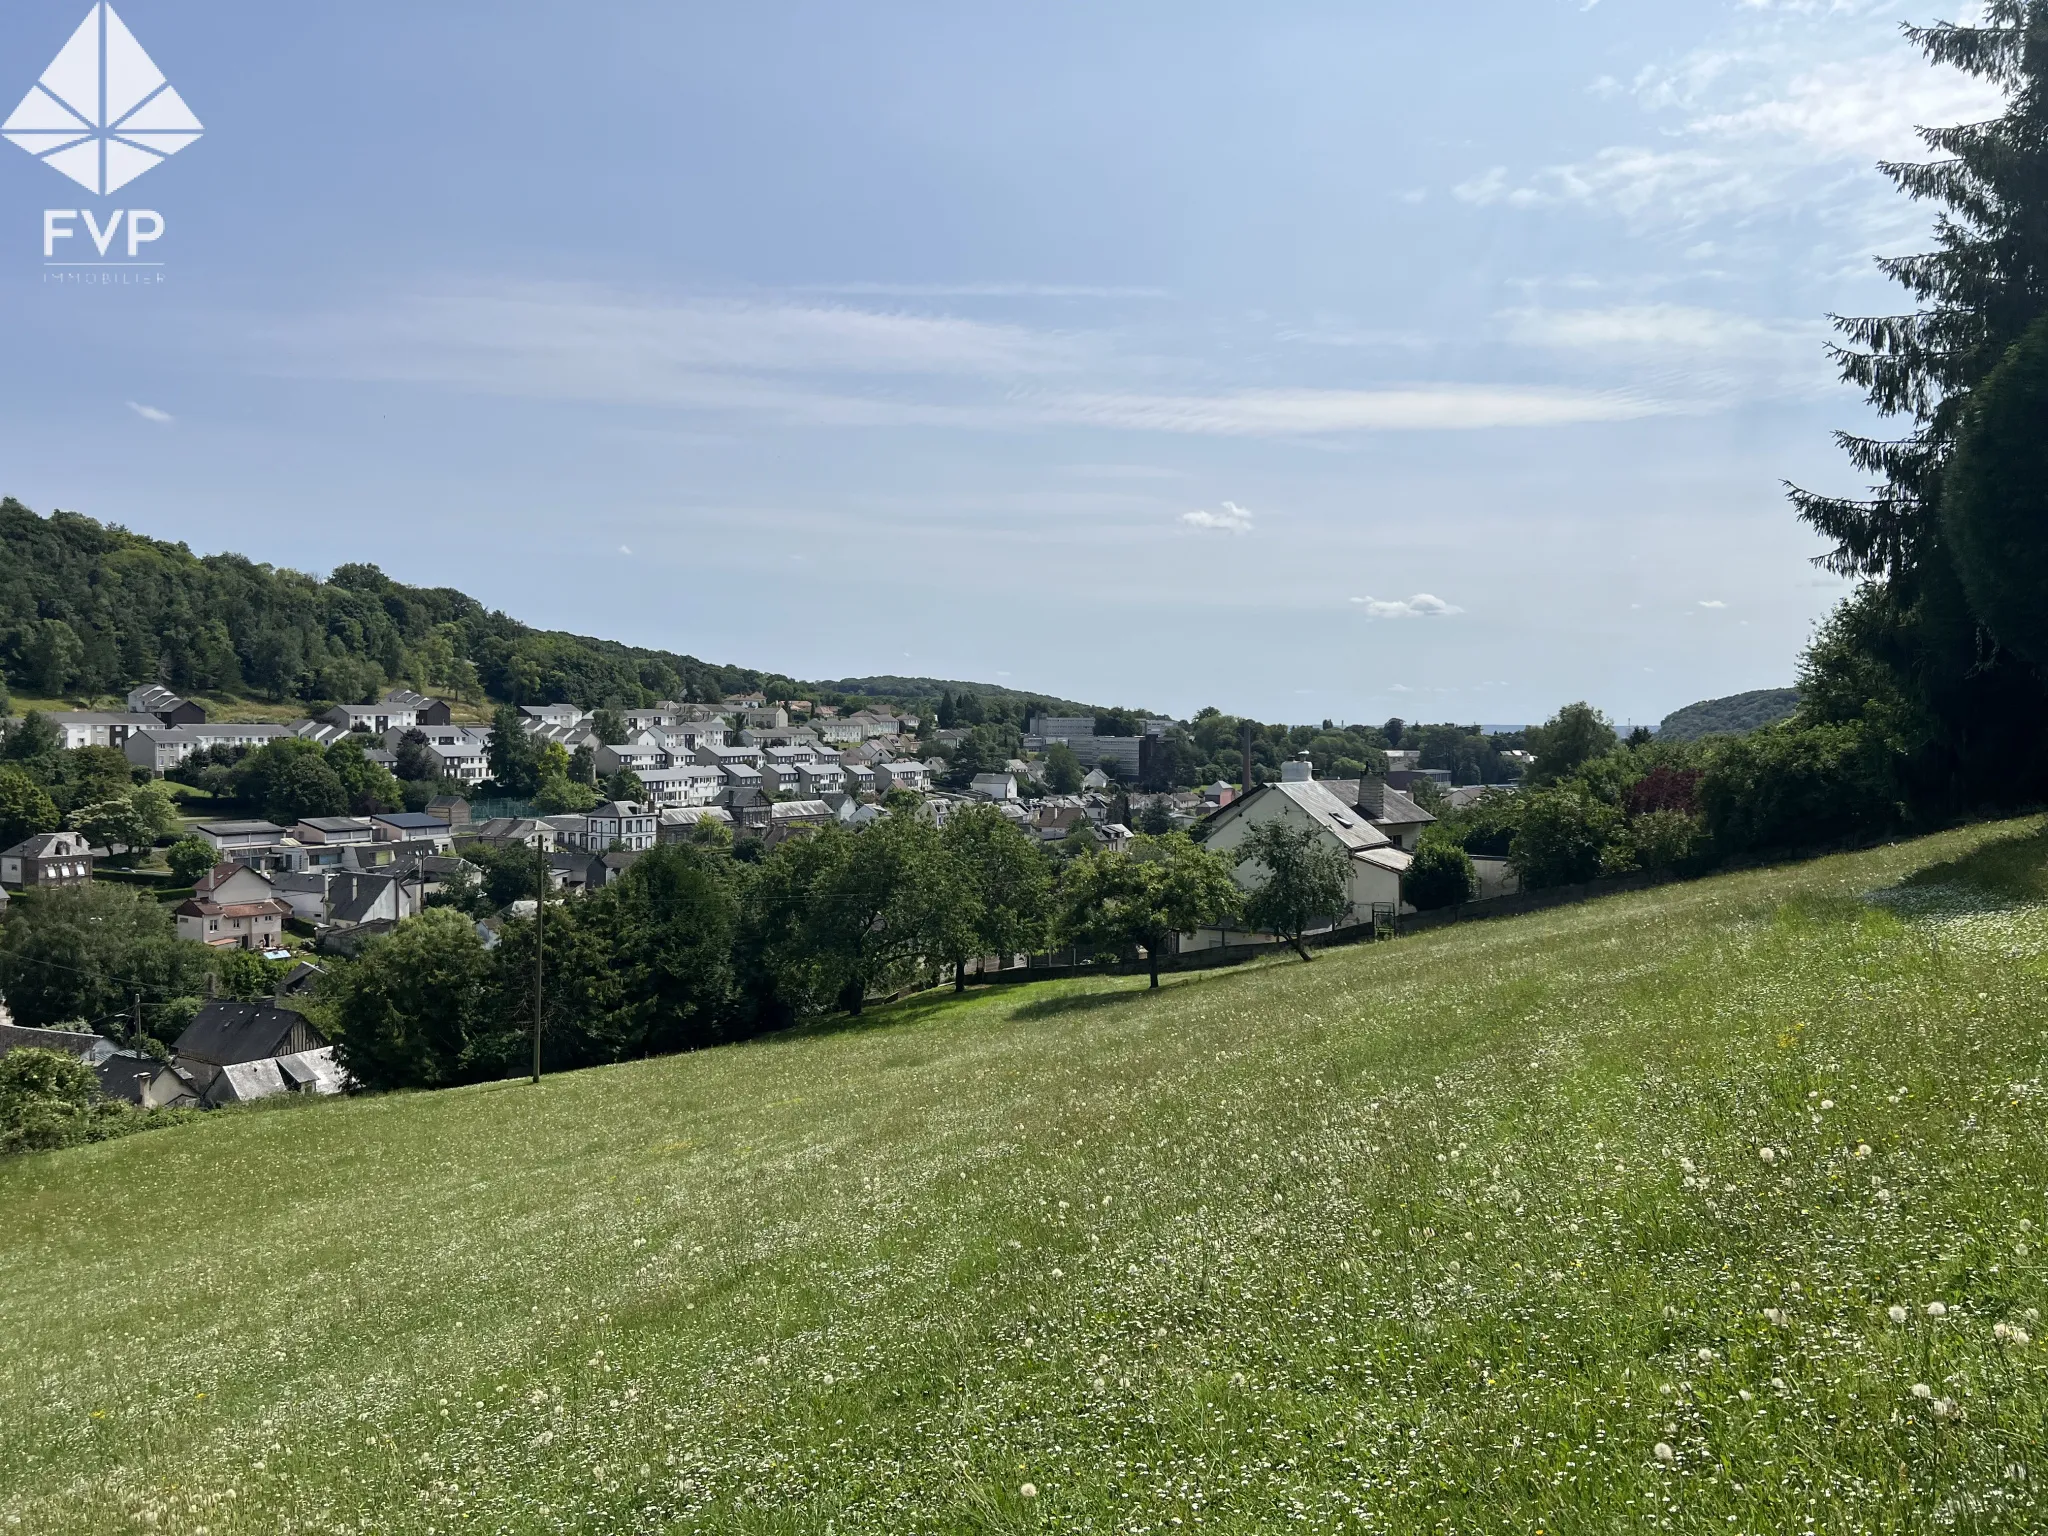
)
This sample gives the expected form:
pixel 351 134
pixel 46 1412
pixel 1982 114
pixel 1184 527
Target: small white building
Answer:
pixel 995 786
pixel 632 827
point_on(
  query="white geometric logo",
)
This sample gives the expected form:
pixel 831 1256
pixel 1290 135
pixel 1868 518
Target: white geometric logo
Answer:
pixel 102 113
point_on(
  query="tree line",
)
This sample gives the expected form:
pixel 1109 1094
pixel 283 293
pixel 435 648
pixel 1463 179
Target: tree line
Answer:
pixel 694 945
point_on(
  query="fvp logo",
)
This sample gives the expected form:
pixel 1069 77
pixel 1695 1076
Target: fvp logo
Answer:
pixel 102 113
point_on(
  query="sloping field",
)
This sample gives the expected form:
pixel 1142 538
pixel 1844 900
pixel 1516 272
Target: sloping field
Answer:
pixel 1584 1222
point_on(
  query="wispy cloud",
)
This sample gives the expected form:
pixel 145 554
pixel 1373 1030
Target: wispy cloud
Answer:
pixel 984 290
pixel 151 413
pixel 1295 412
pixel 1232 519
pixel 1766 120
pixel 1677 350
pixel 838 365
pixel 1421 606
pixel 1712 602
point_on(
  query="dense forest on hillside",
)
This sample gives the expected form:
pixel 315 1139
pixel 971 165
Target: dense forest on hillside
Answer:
pixel 1732 716
pixel 88 609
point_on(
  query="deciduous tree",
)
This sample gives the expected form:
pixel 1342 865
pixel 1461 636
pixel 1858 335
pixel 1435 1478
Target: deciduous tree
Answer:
pixel 1304 882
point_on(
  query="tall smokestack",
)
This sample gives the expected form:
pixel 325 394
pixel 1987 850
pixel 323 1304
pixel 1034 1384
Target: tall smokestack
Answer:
pixel 1244 740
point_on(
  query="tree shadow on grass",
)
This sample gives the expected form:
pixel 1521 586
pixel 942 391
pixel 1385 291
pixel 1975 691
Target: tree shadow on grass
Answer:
pixel 2012 869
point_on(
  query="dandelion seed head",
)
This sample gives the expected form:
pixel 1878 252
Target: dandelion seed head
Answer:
pixel 1921 1389
pixel 1665 1453
pixel 1896 1314
pixel 1768 1154
pixel 1028 1491
pixel 1937 1309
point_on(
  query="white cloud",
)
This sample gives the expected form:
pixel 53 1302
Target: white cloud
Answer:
pixel 1232 519
pixel 835 365
pixel 624 550
pixel 1421 606
pixel 1288 412
pixel 1712 602
pixel 1773 118
pixel 1655 326
pixel 986 290
pixel 151 413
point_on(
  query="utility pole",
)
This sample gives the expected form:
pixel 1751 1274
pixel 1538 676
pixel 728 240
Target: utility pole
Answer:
pixel 540 907
pixel 135 1028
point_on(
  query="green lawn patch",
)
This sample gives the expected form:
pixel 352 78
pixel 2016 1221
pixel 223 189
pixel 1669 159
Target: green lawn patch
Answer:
pixel 1586 1221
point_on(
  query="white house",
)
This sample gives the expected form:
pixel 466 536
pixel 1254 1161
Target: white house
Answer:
pixel 995 786
pixel 1373 861
pixel 900 775
pixel 821 778
pixel 233 907
pixel 688 784
pixel 633 827
pixel 90 728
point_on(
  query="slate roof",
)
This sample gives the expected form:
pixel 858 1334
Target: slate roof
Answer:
pixel 223 1033
pixel 49 844
pixel 93 1048
pixel 125 1074
pixel 411 821
pixel 240 828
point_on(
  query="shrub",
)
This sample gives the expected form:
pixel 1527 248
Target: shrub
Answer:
pixel 1561 839
pixel 51 1099
pixel 1664 839
pixel 1440 876
pixel 1794 787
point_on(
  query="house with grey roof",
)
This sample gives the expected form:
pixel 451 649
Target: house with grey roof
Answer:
pixel 1374 863
pixel 48 859
pixel 93 728
pixel 156 699
pixel 994 786
pixel 425 710
pixel 137 1078
pixel 679 824
pixel 225 1036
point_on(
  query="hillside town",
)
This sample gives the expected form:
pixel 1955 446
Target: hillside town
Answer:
pixel 745 771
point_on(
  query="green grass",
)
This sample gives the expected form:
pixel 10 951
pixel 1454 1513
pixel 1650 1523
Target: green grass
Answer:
pixel 1444 1235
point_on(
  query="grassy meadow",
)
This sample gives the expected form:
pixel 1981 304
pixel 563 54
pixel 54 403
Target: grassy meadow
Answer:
pixel 1712 1208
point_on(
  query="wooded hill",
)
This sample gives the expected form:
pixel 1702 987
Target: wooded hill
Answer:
pixel 90 609
pixel 1735 715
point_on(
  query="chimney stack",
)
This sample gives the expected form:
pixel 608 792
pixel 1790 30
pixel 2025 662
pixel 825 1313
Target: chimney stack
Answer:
pixel 1372 796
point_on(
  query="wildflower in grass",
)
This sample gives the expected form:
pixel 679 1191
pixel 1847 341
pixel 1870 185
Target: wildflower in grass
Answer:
pixel 1863 1149
pixel 1665 1453
pixel 1944 1407
pixel 1768 1154
pixel 1746 1395
pixel 1706 1357
pixel 1896 1314
pixel 1028 1491
pixel 1827 1103
pixel 1937 1309
pixel 1922 1390
pixel 1776 1317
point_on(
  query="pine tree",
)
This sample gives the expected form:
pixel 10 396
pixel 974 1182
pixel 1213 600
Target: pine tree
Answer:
pixel 1975 709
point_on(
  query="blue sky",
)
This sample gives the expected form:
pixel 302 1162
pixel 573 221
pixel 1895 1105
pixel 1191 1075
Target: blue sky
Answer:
pixel 1309 360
